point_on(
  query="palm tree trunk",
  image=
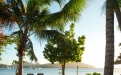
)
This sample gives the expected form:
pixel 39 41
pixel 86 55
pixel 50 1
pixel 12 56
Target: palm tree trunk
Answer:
pixel 109 52
pixel 21 55
pixel 21 50
pixel 20 69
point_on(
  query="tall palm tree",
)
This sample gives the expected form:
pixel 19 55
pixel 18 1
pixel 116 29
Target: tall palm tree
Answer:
pixel 111 7
pixel 109 53
pixel 34 18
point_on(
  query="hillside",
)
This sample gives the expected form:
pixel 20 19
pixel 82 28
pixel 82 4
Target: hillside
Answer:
pixel 70 65
pixel 56 65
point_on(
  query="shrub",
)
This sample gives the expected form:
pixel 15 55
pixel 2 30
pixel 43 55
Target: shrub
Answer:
pixel 95 73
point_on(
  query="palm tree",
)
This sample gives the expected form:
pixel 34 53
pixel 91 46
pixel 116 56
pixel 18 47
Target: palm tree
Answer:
pixel 34 18
pixel 111 7
pixel 109 53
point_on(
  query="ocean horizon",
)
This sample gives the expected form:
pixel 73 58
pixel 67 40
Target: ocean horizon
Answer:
pixel 55 71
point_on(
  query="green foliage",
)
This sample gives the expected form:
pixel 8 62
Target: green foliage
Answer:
pixel 30 51
pixel 4 41
pixel 34 17
pixel 16 62
pixel 117 61
pixel 95 73
pixel 69 51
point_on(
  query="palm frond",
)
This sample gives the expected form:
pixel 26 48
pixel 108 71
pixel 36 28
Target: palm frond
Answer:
pixel 70 12
pixel 5 15
pixel 12 11
pixel 30 51
pixel 49 34
pixel 18 33
pixel 115 4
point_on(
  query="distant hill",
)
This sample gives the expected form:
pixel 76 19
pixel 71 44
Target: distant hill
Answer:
pixel 56 65
pixel 69 65
pixel 3 65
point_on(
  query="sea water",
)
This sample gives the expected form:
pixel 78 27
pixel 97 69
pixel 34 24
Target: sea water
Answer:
pixel 55 71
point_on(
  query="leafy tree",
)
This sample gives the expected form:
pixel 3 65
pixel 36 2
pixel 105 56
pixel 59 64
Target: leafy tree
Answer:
pixel 33 17
pixel 63 52
pixel 4 41
pixel 3 44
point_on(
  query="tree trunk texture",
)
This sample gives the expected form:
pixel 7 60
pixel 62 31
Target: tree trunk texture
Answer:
pixel 109 52
pixel 20 69
pixel 21 55
pixel 63 68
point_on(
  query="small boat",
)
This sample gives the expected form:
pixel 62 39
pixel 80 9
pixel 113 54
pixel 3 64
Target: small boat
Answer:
pixel 40 68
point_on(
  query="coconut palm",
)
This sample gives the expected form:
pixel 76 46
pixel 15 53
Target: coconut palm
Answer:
pixel 34 18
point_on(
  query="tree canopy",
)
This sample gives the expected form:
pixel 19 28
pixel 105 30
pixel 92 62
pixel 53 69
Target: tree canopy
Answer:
pixel 69 51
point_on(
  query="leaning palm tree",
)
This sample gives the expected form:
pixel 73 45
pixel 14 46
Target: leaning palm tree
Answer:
pixel 34 18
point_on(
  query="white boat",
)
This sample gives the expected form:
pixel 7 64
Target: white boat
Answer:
pixel 40 68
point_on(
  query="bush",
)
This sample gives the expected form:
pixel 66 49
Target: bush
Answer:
pixel 95 73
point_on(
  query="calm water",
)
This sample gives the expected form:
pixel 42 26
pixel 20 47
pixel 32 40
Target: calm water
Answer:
pixel 55 71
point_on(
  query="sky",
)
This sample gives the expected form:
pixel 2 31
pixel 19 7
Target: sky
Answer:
pixel 92 25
